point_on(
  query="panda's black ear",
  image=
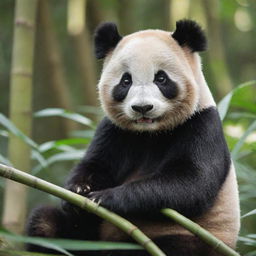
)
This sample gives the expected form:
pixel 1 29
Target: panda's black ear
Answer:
pixel 105 39
pixel 189 33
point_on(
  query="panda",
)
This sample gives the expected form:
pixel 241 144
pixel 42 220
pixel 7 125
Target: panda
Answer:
pixel 160 145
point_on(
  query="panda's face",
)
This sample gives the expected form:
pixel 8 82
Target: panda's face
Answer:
pixel 147 83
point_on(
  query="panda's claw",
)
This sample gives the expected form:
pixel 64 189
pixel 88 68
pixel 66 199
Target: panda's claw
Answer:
pixel 99 202
pixel 87 189
pixel 78 189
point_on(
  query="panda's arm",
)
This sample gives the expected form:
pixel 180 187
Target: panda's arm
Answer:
pixel 93 172
pixel 190 190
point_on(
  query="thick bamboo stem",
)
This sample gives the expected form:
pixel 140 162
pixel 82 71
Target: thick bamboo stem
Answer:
pixel 20 110
pixel 84 203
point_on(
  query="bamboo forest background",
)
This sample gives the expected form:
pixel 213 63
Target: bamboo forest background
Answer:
pixel 65 106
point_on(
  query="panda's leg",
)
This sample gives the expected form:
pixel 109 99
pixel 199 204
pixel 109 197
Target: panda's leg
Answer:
pixel 178 245
pixel 45 221
pixel 52 222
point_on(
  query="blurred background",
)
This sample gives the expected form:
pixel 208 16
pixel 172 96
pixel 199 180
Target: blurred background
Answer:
pixel 64 99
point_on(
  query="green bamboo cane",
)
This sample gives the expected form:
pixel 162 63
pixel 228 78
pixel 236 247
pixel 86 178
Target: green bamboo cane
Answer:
pixel 84 203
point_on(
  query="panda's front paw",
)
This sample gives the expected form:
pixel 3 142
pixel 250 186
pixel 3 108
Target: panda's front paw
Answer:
pixel 105 198
pixel 81 189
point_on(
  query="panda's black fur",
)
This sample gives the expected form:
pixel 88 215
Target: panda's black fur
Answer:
pixel 174 167
pixel 189 33
pixel 105 39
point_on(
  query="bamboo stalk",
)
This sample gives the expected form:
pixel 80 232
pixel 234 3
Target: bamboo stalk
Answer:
pixel 77 29
pixel 76 16
pixel 53 58
pixel 206 236
pixel 84 203
pixel 20 110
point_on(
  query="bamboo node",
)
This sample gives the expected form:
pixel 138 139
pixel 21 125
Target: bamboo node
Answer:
pixel 217 245
pixel 84 204
pixel 24 23
pixel 8 173
pixel 144 244
pixel 21 72
pixel 131 230
pixel 34 183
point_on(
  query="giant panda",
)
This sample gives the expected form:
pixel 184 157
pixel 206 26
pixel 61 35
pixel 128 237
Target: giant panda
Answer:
pixel 160 145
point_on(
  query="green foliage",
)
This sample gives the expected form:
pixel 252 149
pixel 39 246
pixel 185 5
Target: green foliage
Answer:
pixel 62 245
pixel 66 114
pixel 238 109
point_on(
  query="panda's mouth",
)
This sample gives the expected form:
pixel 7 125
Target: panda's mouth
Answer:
pixel 144 120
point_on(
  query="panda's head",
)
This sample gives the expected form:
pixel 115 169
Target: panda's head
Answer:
pixel 151 79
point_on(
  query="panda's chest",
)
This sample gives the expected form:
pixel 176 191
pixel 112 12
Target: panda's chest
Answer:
pixel 142 156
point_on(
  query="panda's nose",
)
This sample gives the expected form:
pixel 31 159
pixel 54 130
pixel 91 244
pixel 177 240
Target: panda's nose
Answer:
pixel 142 109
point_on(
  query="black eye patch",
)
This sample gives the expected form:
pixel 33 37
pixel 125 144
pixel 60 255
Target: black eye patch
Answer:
pixel 121 90
pixel 167 87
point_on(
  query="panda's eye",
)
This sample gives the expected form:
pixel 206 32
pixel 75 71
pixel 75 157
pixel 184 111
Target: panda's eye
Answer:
pixel 160 78
pixel 126 79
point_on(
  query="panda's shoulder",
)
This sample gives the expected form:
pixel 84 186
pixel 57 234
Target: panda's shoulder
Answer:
pixel 106 125
pixel 106 129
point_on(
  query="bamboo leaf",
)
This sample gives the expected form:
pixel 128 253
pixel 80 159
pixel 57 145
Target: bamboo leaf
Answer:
pixel 66 156
pixel 63 144
pixel 4 160
pixel 36 155
pixel 224 105
pixel 37 241
pixel 249 214
pixel 14 130
pixel 60 157
pixel 69 244
pixel 247 241
pixel 241 141
pixel 50 145
pixel 252 253
pixel 4 133
pixel 90 110
pixel 23 253
pixel 228 99
pixel 236 115
pixel 46 146
pixel 83 133
pixel 66 114
pixel 72 141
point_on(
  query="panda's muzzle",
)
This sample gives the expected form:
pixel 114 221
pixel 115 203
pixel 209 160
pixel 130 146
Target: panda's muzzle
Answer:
pixel 142 109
